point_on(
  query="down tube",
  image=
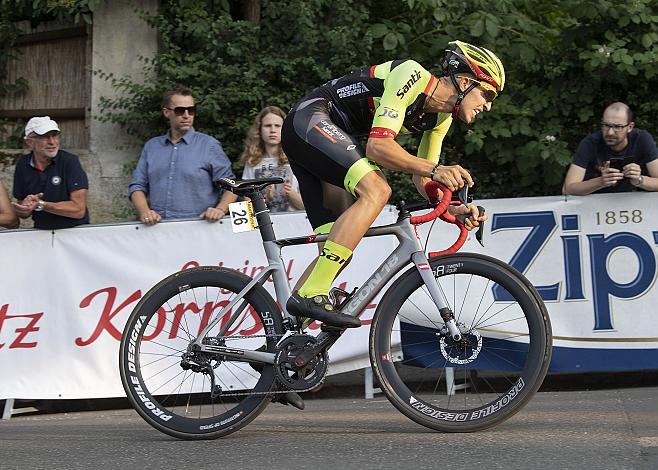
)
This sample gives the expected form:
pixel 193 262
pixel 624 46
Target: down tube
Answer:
pixel 397 260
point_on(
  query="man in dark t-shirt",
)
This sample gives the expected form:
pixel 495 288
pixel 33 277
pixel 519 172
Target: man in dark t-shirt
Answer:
pixel 49 184
pixel 617 158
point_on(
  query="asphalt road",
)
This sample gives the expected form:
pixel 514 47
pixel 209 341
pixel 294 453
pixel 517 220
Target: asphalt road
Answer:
pixel 603 429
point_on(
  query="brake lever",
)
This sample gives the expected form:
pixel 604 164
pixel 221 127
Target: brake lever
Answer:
pixel 480 232
pixel 462 196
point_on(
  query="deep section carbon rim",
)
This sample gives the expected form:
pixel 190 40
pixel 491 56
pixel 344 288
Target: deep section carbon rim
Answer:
pixel 197 395
pixel 475 382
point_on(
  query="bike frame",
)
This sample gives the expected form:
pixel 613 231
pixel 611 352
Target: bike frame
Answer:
pixel 409 251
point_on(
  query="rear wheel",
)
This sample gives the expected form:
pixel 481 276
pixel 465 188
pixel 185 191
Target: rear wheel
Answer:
pixel 196 395
pixel 474 383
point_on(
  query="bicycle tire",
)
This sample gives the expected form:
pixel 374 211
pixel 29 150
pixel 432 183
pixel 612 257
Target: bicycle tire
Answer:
pixel 499 375
pixel 179 402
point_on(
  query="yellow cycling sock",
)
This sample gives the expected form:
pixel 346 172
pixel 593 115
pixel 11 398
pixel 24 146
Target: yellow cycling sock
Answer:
pixel 332 258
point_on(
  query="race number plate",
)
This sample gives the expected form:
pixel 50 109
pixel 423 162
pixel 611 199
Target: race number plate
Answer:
pixel 242 216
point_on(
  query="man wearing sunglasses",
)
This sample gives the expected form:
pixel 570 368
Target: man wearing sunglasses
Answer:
pixel 321 139
pixel 175 172
pixel 614 158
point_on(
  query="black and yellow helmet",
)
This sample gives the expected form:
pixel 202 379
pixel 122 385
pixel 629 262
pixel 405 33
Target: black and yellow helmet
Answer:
pixel 461 57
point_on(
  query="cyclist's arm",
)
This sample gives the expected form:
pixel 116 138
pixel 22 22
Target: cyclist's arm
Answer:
pixel 388 153
pixel 430 149
pixel 398 95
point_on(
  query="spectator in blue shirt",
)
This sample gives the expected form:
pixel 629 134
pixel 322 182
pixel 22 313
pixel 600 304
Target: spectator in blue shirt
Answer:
pixel 175 173
pixel 618 158
pixel 49 184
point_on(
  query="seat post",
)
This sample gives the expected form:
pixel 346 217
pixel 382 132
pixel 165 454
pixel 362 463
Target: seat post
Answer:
pixel 262 216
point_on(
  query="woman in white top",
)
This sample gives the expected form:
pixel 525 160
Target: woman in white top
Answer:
pixel 263 157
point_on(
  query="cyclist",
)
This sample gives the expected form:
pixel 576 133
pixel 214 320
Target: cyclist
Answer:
pixel 319 137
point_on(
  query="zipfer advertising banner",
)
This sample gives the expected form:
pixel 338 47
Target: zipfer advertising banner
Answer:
pixel 65 295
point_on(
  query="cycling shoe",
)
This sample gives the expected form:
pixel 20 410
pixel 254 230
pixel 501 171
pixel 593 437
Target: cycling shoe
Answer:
pixel 320 308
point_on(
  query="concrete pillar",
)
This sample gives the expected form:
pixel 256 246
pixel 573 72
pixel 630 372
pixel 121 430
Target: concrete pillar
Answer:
pixel 119 38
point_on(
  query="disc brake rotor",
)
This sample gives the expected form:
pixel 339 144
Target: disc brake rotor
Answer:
pixel 462 351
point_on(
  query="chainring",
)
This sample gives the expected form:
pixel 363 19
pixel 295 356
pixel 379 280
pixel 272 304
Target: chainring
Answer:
pixel 299 378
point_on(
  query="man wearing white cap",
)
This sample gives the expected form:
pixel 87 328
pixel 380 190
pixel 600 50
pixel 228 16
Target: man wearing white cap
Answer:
pixel 49 184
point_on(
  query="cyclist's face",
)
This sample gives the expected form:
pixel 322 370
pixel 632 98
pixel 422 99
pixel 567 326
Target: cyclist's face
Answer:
pixel 270 129
pixel 179 123
pixel 477 101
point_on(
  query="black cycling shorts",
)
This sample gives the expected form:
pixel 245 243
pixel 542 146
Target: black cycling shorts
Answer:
pixel 318 150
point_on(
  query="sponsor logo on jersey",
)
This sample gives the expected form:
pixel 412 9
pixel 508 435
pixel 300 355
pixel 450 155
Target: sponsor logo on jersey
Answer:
pixel 415 76
pixel 332 130
pixel 351 90
pixel 390 112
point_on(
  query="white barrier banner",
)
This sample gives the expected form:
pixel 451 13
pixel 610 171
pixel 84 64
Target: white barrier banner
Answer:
pixel 593 260
pixel 65 295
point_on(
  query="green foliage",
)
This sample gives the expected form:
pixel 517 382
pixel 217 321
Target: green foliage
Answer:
pixel 565 61
pixel 236 67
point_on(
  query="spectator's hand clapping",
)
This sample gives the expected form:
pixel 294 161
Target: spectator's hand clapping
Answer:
pixel 25 207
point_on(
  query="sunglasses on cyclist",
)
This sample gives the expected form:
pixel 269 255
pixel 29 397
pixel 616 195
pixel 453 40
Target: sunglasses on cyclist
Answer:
pixel 180 110
pixel 488 91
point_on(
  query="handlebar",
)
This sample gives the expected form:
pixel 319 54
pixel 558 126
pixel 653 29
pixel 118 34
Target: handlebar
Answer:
pixel 440 211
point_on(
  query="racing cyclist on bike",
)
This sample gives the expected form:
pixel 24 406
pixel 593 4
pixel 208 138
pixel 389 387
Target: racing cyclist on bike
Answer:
pixel 319 138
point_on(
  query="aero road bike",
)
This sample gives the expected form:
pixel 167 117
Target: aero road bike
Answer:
pixel 459 342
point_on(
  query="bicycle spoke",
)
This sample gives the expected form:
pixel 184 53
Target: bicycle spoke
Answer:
pixel 198 390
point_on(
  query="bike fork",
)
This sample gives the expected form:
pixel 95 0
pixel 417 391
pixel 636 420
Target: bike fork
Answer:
pixel 447 315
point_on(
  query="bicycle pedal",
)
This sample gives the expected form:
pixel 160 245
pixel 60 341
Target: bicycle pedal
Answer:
pixel 330 328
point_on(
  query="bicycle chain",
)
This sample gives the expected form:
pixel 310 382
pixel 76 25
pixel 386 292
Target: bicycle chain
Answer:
pixel 271 392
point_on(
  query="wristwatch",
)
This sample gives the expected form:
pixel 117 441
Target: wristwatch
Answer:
pixel 39 206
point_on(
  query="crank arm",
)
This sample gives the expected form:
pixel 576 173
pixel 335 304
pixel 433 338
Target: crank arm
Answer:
pixel 326 340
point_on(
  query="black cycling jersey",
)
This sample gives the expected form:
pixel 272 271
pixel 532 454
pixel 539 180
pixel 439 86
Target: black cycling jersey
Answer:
pixel 381 101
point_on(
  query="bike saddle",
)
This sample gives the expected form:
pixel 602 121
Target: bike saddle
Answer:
pixel 245 187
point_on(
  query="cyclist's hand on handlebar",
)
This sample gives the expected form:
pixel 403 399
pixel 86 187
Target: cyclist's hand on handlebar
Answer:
pixel 470 215
pixel 453 176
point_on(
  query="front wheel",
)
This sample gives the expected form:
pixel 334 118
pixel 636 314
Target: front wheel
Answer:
pixel 478 381
pixel 191 394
